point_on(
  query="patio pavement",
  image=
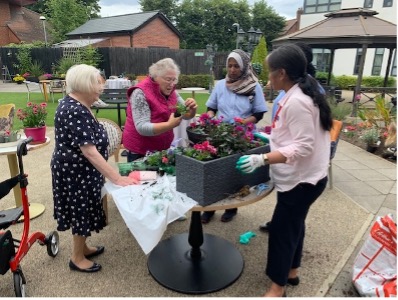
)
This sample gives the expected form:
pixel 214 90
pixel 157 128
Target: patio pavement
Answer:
pixel 337 225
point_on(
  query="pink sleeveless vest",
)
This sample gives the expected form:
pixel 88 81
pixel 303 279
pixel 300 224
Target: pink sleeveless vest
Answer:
pixel 160 108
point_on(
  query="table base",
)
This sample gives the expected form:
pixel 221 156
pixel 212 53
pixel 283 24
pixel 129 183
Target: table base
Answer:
pixel 35 210
pixel 219 265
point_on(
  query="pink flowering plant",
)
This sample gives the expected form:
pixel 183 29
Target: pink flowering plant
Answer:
pixel 33 115
pixel 47 76
pixel 221 138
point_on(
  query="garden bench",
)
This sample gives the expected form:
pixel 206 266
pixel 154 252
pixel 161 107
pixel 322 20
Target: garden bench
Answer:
pixel 116 99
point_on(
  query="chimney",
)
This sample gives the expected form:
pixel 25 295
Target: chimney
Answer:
pixel 299 12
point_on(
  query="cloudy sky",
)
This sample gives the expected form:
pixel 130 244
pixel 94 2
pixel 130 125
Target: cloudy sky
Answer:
pixel 286 8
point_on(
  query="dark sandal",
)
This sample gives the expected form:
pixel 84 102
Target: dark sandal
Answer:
pixel 206 217
pixel 293 281
pixel 228 215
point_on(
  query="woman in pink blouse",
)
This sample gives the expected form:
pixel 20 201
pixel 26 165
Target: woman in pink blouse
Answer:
pixel 299 159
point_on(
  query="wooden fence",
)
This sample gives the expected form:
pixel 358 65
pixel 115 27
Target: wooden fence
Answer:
pixel 117 61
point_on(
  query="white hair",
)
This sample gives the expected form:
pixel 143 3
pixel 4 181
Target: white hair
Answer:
pixel 82 79
pixel 160 67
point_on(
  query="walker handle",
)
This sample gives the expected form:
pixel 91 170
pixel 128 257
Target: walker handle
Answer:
pixel 22 150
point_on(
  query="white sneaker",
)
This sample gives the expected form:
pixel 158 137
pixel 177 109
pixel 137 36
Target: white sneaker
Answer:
pixel 100 103
pixel 182 218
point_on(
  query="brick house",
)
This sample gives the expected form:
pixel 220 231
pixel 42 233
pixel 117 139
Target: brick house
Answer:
pixel 139 30
pixel 19 24
pixel 293 25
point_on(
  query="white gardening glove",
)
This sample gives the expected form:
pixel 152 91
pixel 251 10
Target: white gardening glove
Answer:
pixel 249 163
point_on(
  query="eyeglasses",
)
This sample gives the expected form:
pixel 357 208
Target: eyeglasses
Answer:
pixel 170 80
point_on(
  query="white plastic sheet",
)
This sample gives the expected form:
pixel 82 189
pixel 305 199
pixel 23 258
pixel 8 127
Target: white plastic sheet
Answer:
pixel 148 208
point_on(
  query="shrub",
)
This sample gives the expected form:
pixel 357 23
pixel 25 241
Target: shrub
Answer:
pixel 64 64
pixel 201 80
pixel 36 69
pixel 370 136
pixel 341 111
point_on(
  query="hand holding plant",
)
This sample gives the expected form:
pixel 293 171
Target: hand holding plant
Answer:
pixel 181 110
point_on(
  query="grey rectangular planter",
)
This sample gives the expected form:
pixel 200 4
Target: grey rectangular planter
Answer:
pixel 210 181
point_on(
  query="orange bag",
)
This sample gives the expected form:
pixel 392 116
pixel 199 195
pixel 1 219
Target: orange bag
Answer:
pixel 375 267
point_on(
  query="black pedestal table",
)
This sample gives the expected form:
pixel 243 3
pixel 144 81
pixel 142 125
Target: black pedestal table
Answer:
pixel 198 263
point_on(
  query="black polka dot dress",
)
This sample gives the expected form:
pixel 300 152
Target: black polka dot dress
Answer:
pixel 76 182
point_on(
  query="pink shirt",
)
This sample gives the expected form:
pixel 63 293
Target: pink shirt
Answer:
pixel 298 135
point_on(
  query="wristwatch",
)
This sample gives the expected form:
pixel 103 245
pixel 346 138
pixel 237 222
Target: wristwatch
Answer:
pixel 266 161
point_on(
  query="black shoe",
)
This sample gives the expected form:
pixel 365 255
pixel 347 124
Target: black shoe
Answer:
pixel 100 250
pixel 207 216
pixel 94 268
pixel 265 227
pixel 293 281
pixel 229 214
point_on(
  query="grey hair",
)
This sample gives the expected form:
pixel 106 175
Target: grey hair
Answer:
pixel 82 79
pixel 160 67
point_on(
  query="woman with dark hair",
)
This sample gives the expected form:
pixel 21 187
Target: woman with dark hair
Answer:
pixel 299 159
pixel 238 95
pixel 311 71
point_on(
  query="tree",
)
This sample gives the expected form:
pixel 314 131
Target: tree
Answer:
pixel 259 55
pixel 66 15
pixel 41 7
pixel 167 7
pixel 269 22
pixel 203 22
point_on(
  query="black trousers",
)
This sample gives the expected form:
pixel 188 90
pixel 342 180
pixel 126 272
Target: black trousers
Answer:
pixel 133 156
pixel 287 229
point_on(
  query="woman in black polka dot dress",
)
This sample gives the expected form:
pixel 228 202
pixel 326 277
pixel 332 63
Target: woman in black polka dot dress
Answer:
pixel 79 165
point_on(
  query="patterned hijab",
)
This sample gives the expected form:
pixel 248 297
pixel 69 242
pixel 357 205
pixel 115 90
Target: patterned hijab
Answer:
pixel 246 83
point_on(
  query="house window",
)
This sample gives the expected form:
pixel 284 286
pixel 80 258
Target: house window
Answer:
pixel 320 6
pixel 321 59
pixel 368 4
pixel 357 60
pixel 387 3
pixel 377 61
pixel 394 65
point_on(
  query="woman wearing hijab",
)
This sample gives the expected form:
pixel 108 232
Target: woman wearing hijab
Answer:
pixel 238 95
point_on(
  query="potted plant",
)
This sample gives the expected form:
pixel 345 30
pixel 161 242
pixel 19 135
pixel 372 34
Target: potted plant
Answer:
pixel 180 110
pixel 372 139
pixel 33 118
pixel 9 136
pixel 46 76
pixel 18 79
pixel 206 171
pixel 36 69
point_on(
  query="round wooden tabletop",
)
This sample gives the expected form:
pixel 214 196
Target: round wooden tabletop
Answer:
pixel 235 200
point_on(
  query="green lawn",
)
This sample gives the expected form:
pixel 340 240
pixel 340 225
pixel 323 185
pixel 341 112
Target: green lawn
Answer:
pixel 20 100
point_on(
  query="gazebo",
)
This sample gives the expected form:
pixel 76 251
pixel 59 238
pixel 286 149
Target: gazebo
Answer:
pixel 348 28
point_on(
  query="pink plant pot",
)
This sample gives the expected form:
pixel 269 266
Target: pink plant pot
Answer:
pixel 37 133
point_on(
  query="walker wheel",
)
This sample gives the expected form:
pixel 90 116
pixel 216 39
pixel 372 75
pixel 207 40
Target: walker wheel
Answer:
pixel 19 283
pixel 52 242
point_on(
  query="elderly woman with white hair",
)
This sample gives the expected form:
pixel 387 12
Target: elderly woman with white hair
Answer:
pixel 79 166
pixel 238 95
pixel 150 111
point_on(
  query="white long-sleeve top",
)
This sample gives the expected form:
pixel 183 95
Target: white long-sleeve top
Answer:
pixel 298 135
